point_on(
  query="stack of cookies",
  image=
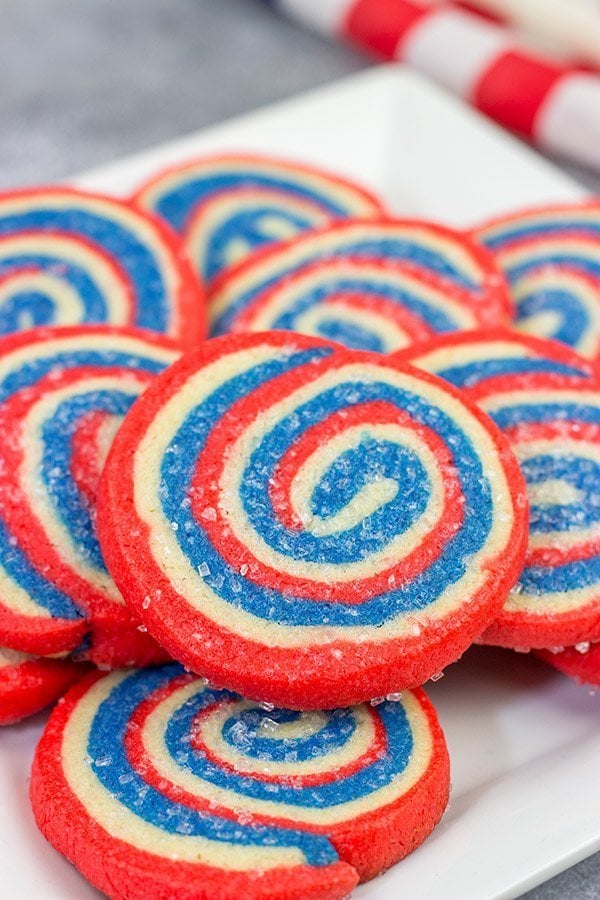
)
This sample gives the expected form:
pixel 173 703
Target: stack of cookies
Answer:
pixel 272 459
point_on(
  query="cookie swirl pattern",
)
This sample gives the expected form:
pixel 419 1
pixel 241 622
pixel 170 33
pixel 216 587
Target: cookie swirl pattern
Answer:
pixel 545 398
pixel 371 285
pixel 228 207
pixel 188 781
pixel 63 393
pixel 326 510
pixel 72 258
pixel 551 257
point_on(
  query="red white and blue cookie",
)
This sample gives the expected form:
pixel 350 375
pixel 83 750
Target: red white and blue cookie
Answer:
pixel 29 683
pixel 228 207
pixel 155 784
pixel 582 662
pixel 551 257
pixel 370 285
pixel 72 258
pixel 309 525
pixel 63 394
pixel 547 403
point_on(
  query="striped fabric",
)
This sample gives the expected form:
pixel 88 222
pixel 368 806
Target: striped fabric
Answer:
pixel 553 104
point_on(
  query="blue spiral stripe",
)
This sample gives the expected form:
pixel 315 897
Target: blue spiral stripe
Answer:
pixel 57 434
pixel 474 373
pixel 512 415
pixel 583 475
pixel 538 229
pixel 264 602
pixel 33 371
pixel 362 783
pixel 180 202
pixel 517 272
pixel 108 733
pixel 376 248
pixel 573 316
pixel 46 595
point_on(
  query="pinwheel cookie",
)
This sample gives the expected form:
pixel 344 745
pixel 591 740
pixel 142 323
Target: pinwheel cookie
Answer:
pixel 370 285
pixel 63 394
pixel 156 784
pixel 309 525
pixel 551 257
pixel 546 400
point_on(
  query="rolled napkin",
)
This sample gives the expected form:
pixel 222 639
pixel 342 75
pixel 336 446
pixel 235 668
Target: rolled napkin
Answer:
pixel 573 27
pixel 553 104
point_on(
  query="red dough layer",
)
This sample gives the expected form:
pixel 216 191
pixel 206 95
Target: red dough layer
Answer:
pixel 27 687
pixel 307 677
pixel 367 845
pixel 583 667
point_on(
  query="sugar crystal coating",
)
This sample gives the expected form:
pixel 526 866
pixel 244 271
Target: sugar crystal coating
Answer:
pixel 179 770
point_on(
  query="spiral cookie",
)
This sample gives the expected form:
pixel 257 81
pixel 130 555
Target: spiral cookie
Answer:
pixel 29 683
pixel 581 662
pixel 546 399
pixel 551 257
pixel 227 207
pixel 308 525
pixel 371 285
pixel 71 258
pixel 155 784
pixel 63 393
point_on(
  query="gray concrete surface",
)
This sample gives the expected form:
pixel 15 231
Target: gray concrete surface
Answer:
pixel 86 81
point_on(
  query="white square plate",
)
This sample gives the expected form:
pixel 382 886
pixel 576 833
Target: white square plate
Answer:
pixel 524 741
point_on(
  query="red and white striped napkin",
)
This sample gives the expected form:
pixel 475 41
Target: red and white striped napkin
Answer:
pixel 553 103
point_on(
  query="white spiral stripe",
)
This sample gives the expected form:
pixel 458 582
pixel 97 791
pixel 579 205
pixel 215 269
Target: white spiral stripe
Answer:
pixel 73 252
pixel 552 603
pixel 469 354
pixel 153 738
pixel 31 467
pixel 124 825
pixel 188 583
pixel 322 245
